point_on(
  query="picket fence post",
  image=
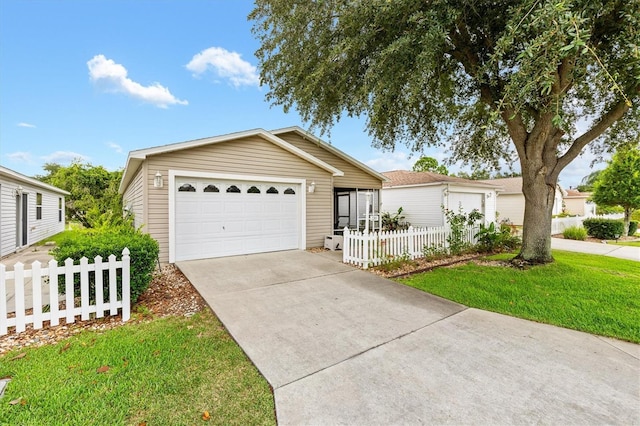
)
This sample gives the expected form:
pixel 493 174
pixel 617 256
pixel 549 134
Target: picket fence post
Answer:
pixel 126 287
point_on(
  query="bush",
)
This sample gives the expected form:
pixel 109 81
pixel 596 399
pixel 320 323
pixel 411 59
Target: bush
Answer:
pixel 604 229
pixel 91 243
pixel 575 233
pixel 492 240
pixel 633 227
pixel 635 216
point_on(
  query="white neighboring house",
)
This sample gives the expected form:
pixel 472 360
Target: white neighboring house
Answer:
pixel 30 211
pixel 510 204
pixel 422 195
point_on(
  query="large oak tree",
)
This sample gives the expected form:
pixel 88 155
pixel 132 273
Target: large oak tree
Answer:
pixel 535 80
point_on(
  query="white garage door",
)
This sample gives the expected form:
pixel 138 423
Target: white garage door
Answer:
pixel 468 201
pixel 215 218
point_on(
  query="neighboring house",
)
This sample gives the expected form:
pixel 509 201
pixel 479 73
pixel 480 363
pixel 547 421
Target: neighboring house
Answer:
pixel 30 211
pixel 247 192
pixel 510 202
pixel 422 195
pixel 577 203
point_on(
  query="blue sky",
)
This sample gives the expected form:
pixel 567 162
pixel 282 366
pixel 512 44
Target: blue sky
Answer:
pixel 96 79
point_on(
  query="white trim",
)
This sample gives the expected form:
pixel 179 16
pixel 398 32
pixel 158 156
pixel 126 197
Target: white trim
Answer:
pixel 31 181
pixel 173 174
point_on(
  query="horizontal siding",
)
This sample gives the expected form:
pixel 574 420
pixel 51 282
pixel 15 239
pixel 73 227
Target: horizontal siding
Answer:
pixel 134 198
pixel 421 206
pixel 249 156
pixel 510 206
pixel 38 229
pixel 354 177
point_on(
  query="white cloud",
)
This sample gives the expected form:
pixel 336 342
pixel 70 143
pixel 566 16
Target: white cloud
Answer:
pixel 117 148
pixel 20 157
pixel 64 157
pixel 578 169
pixel 29 125
pixel 226 65
pixel 391 161
pixel 114 76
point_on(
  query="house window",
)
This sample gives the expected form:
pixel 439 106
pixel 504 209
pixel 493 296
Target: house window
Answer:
pixel 60 209
pixel 289 191
pixel 233 189
pixel 253 190
pixel 211 188
pixel 38 206
pixel 272 190
pixel 186 188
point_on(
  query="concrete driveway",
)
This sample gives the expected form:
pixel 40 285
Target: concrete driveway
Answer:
pixel 343 346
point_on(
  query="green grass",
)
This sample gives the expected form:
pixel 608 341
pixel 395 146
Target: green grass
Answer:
pixel 625 243
pixel 596 294
pixel 164 372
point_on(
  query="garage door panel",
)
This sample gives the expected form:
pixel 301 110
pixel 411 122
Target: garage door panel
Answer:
pixel 215 224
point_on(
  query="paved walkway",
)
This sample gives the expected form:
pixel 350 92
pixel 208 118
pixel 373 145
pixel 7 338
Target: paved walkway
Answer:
pixel 343 346
pixel 612 250
pixel 26 257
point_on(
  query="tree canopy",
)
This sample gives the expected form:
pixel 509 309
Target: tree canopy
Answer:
pixel 93 198
pixel 488 79
pixel 429 164
pixel 619 184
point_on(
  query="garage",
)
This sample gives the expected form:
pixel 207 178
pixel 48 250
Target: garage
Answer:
pixel 466 201
pixel 215 217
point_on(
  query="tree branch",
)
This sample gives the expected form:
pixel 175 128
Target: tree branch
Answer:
pixel 613 115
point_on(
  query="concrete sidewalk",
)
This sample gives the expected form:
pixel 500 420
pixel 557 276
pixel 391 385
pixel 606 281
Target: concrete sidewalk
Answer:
pixel 612 250
pixel 26 257
pixel 343 346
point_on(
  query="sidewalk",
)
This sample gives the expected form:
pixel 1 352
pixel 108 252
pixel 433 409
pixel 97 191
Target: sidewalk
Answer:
pixel 613 250
pixel 26 257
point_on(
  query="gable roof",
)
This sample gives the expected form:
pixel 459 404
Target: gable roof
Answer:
pixel 332 149
pixel 513 185
pixel 574 193
pixel 136 157
pixel 410 178
pixel 31 181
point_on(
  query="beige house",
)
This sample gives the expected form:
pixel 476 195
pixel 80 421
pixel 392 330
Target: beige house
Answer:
pixel 510 202
pixel 247 192
pixel 577 203
pixel 422 196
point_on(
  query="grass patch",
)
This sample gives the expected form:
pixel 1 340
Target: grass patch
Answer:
pixel 596 294
pixel 164 372
pixel 625 243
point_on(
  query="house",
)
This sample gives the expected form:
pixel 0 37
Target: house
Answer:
pixel 510 202
pixel 577 203
pixel 30 211
pixel 423 195
pixel 247 192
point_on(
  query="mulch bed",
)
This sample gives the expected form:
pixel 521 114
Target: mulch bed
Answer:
pixel 169 293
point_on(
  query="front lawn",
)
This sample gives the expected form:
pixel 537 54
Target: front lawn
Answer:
pixel 596 294
pixel 164 372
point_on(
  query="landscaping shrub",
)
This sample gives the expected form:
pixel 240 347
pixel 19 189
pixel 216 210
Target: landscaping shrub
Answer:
pixel 604 229
pixel 91 243
pixel 633 227
pixel 575 233
pixel 493 240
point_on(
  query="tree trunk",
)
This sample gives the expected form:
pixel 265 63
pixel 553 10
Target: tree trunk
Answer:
pixel 539 196
pixel 627 219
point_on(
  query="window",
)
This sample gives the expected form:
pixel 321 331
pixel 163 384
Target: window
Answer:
pixel 186 187
pixel 289 191
pixel 233 189
pixel 253 190
pixel 60 209
pixel 272 190
pixel 211 188
pixel 38 205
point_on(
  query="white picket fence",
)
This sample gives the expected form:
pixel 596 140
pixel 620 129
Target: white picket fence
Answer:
pixel 559 224
pixel 40 275
pixel 376 248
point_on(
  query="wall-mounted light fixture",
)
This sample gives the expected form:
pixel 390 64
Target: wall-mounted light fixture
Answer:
pixel 488 195
pixel 312 187
pixel 18 191
pixel 157 180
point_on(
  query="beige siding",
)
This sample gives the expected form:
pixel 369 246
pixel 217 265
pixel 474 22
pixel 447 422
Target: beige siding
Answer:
pixel 575 206
pixel 354 177
pixel 250 156
pixel 510 206
pixel 133 198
